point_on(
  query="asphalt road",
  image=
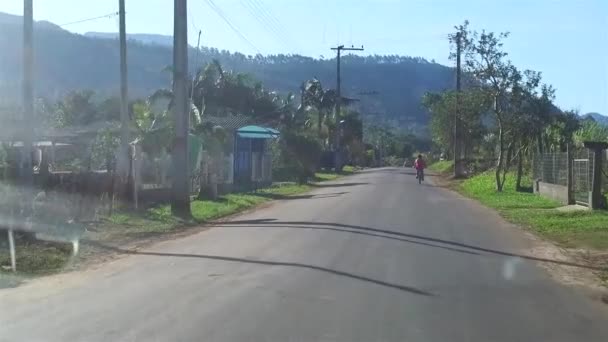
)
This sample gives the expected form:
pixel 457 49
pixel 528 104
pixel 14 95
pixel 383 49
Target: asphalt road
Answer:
pixel 376 257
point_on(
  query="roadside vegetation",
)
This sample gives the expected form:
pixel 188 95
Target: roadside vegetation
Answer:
pixel 36 257
pixel 580 229
pixel 510 132
pixel 442 166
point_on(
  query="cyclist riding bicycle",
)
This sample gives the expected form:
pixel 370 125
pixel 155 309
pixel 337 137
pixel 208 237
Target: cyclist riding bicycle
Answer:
pixel 419 165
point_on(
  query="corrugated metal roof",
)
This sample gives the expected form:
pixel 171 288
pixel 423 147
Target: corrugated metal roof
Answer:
pixel 257 132
pixel 231 122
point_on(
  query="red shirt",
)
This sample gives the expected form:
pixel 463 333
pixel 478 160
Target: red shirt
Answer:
pixel 419 164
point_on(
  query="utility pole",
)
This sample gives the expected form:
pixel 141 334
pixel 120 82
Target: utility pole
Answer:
pixel 458 167
pixel 124 157
pixel 27 132
pixel 180 204
pixel 339 49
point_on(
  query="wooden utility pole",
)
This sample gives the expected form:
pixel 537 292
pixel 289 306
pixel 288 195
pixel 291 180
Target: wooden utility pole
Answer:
pixel 458 167
pixel 180 204
pixel 339 49
pixel 124 157
pixel 27 124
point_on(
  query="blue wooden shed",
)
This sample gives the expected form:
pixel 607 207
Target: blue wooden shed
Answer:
pixel 252 161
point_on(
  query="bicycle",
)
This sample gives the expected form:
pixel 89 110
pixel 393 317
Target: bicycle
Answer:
pixel 420 175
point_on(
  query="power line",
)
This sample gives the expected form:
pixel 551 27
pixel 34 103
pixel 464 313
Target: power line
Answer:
pixel 272 19
pixel 220 13
pixel 264 23
pixel 266 11
pixel 108 16
pixel 273 24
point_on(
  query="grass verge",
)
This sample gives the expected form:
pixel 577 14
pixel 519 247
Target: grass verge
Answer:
pixel 443 166
pixel 39 258
pixel 574 229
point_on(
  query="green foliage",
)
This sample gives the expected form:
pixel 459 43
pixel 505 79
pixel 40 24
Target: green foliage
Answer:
pixel 469 106
pixel 104 146
pixel 393 161
pixel 394 146
pixel 76 109
pixel 591 131
pixel 502 111
pixel 443 166
pixel 560 131
pixel 301 154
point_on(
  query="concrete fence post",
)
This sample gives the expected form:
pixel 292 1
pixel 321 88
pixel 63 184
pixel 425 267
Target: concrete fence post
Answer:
pixel 570 175
pixel 597 198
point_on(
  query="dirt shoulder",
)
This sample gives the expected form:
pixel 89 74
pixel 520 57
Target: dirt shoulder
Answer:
pixel 590 272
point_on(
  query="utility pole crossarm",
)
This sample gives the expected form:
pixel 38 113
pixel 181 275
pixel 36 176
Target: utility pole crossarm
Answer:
pixel 341 47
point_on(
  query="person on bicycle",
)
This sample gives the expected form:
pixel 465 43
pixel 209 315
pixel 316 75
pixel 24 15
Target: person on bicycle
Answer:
pixel 419 165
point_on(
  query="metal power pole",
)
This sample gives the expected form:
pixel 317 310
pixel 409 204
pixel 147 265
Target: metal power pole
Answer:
pixel 458 167
pixel 339 49
pixel 180 204
pixel 27 131
pixel 124 157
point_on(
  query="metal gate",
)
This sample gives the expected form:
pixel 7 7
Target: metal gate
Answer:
pixel 582 169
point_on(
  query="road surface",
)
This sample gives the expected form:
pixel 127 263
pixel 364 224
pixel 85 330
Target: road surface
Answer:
pixel 375 257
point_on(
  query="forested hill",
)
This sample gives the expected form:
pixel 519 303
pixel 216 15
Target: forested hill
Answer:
pixel 389 87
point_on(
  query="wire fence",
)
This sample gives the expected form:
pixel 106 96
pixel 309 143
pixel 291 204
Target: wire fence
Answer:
pixel 582 174
pixel 553 168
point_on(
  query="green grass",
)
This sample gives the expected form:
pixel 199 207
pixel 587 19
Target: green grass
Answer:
pixel 326 176
pixel 39 258
pixel 587 229
pixel 159 220
pixel 483 188
pixel 329 176
pixel 34 258
pixel 442 166
pixel 349 169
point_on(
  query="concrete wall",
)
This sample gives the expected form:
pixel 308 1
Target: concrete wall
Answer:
pixel 553 191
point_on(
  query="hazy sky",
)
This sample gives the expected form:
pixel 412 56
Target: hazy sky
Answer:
pixel 565 39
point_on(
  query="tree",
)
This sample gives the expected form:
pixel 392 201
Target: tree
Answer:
pixel 313 97
pixel 469 106
pixel 591 131
pixel 77 109
pixel 486 61
pixel 525 105
pixel 560 132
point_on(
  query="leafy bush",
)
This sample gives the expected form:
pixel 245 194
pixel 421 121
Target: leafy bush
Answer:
pixel 591 131
pixel 299 157
pixel 393 161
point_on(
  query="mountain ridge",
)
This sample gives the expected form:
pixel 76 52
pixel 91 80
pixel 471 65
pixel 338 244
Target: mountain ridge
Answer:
pixel 389 87
pixel 145 38
pixel 597 117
